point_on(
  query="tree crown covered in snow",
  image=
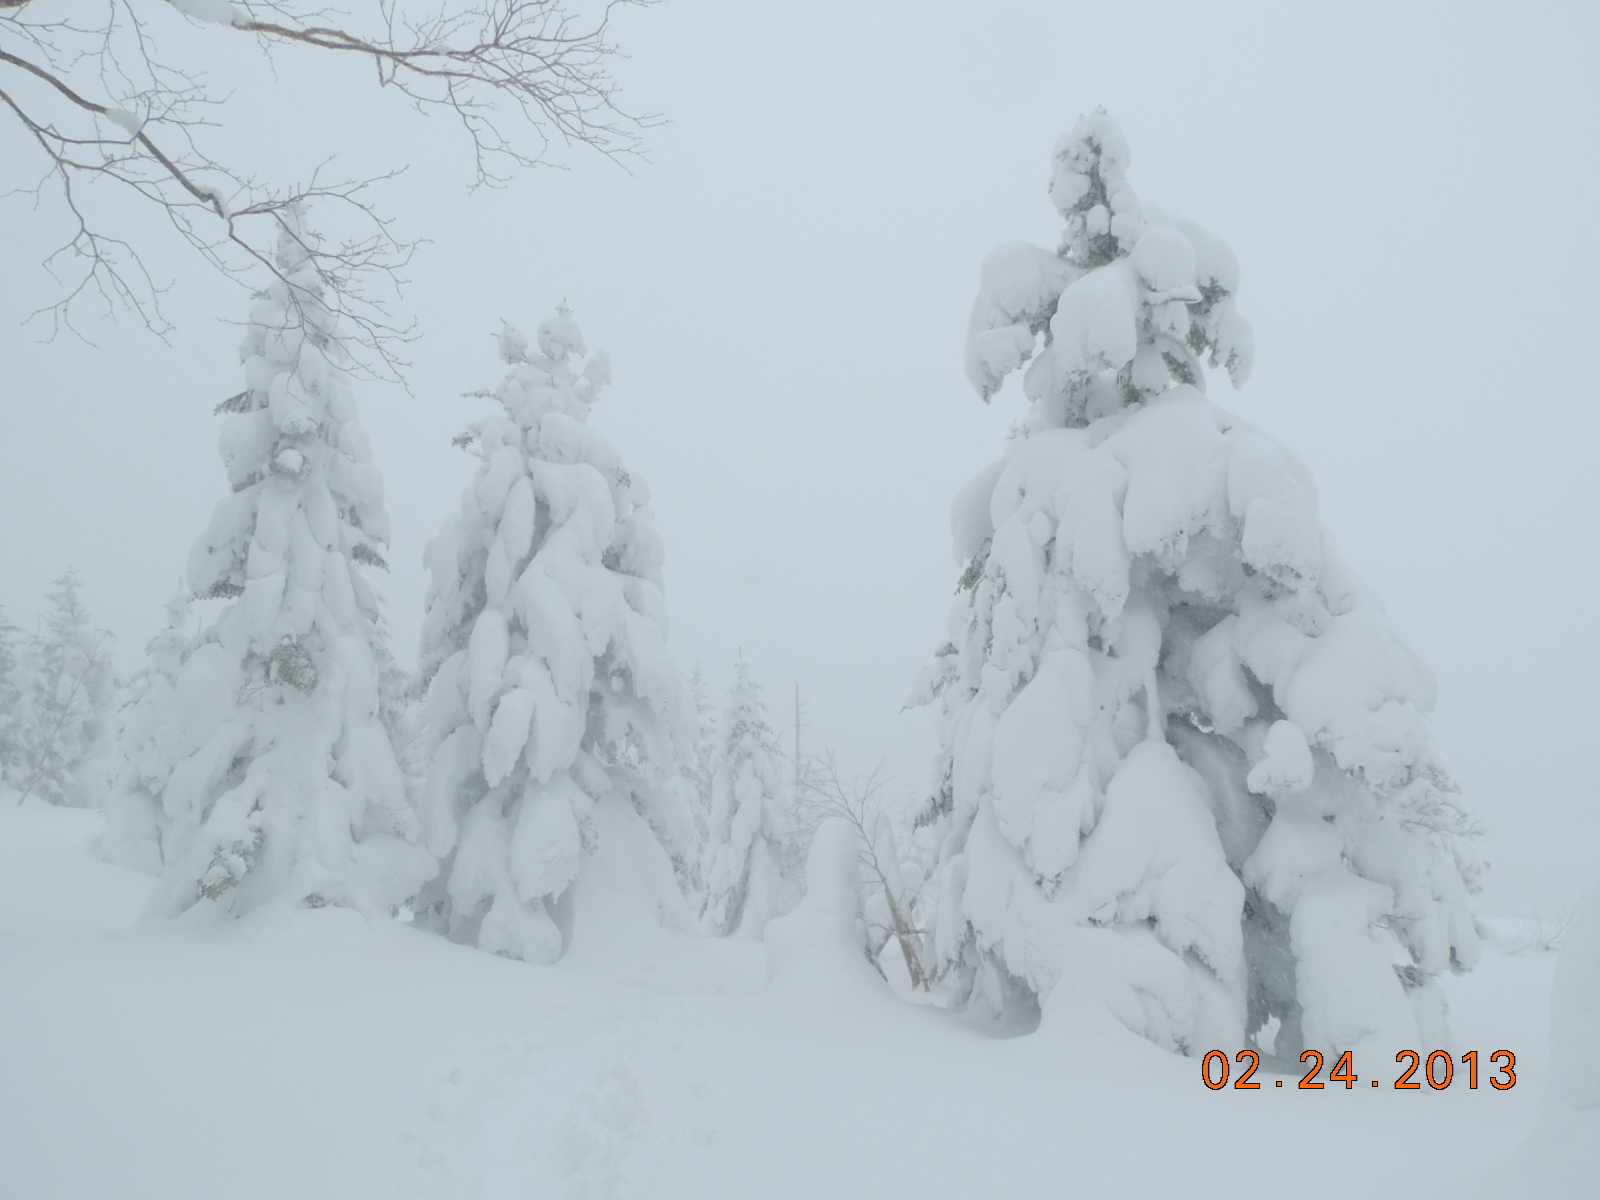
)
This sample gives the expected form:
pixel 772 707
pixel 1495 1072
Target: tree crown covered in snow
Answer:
pixel 1132 302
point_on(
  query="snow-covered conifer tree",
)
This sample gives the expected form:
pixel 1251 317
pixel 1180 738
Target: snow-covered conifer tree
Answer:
pixel 10 703
pixel 557 721
pixel 145 738
pixel 751 865
pixel 64 691
pixel 277 780
pixel 702 766
pixel 1185 769
pixel 403 714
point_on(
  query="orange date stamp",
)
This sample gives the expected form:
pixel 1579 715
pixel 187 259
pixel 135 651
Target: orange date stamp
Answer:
pixel 1439 1072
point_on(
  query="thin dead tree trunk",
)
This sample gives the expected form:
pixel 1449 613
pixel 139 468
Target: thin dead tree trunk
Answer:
pixel 833 798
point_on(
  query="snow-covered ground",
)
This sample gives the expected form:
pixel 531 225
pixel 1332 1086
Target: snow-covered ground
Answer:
pixel 315 1054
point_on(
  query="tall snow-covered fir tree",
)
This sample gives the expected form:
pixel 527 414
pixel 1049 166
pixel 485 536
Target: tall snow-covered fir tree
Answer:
pixel 751 866
pixel 557 721
pixel 146 732
pixel 275 775
pixel 1185 771
pixel 63 691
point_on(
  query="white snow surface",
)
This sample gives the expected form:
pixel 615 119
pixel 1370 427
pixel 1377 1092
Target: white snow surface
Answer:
pixel 330 1055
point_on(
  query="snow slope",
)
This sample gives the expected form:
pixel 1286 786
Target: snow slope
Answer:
pixel 319 1054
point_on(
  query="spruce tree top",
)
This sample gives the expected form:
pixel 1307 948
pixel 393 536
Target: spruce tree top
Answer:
pixel 1134 301
pixel 291 441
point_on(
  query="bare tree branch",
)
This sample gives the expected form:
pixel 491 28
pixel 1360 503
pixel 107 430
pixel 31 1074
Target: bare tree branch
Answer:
pixel 101 104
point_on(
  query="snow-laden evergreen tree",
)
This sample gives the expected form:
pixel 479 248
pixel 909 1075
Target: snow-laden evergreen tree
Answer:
pixel 274 771
pixel 1185 771
pixel 752 866
pixel 64 691
pixel 10 703
pixel 146 736
pixel 403 714
pixel 557 721
pixel 702 764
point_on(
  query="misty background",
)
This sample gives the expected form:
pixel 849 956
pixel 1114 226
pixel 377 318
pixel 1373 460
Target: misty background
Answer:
pixel 783 289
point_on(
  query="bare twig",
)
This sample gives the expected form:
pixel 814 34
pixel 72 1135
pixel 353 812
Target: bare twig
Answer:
pixel 1543 931
pixel 100 102
pixel 823 793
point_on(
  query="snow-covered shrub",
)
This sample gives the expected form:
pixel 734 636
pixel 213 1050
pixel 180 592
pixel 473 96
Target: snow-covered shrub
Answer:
pixel 61 689
pixel 1185 769
pixel 551 695
pixel 752 868
pixel 275 776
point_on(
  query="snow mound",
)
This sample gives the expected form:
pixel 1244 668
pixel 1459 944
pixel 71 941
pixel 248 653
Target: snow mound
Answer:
pixel 818 951
pixel 1575 1011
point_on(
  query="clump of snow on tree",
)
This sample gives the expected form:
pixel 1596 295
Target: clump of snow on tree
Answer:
pixel 554 709
pixel 750 860
pixel 257 765
pixel 212 12
pixel 1185 771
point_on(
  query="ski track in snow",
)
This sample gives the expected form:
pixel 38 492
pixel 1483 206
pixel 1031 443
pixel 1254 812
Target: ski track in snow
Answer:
pixel 590 1107
pixel 566 1108
pixel 315 1054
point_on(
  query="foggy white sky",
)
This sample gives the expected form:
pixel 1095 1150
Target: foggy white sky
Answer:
pixel 783 291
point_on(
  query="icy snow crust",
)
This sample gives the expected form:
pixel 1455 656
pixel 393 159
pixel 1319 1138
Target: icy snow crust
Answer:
pixel 257 765
pixel 554 709
pixel 1185 775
